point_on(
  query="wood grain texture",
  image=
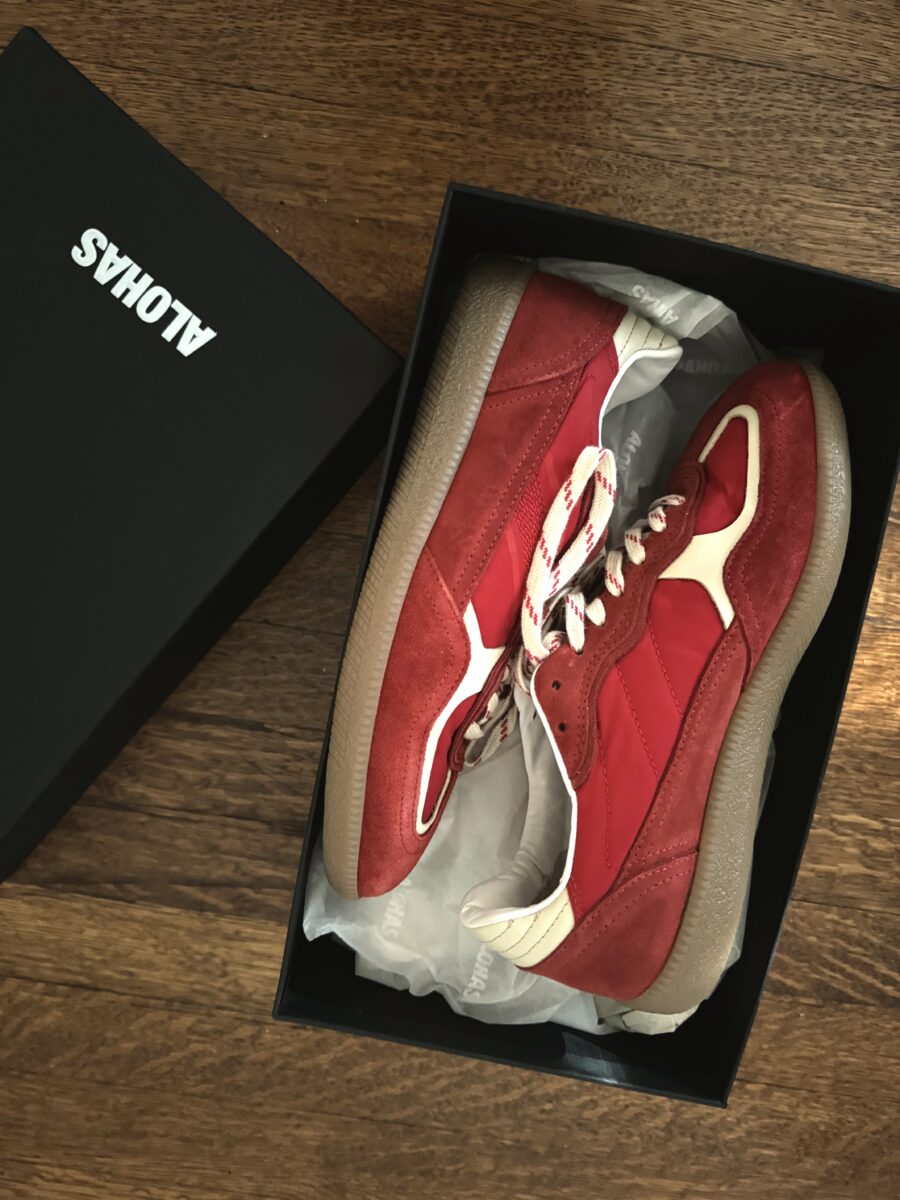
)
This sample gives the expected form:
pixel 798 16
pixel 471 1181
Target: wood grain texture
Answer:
pixel 140 943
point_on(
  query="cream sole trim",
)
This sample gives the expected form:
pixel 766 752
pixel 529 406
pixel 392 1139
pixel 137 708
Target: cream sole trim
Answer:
pixel 528 940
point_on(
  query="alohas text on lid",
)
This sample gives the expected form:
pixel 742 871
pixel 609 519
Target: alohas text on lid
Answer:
pixel 137 290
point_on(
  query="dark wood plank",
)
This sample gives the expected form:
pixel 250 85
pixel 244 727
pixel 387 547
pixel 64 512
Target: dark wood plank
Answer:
pixel 95 1036
pixel 214 864
pixel 852 43
pixel 853 853
pixel 530 1127
pixel 836 954
pixel 606 95
pixel 264 675
pixel 197 958
pixel 209 765
pixel 884 605
pixel 812 39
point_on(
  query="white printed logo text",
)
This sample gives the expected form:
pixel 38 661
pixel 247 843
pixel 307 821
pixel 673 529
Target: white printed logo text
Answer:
pixel 138 291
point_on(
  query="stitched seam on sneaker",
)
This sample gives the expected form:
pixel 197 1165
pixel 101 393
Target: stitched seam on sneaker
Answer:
pixel 636 720
pixel 616 918
pixel 659 659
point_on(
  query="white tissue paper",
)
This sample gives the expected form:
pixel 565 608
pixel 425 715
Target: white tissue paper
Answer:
pixel 412 938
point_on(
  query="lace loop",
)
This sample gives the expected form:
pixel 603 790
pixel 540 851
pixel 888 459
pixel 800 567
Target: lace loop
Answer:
pixel 613 573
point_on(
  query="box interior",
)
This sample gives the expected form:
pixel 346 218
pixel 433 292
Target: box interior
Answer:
pixel 784 305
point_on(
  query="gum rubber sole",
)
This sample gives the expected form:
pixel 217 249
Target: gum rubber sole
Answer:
pixel 463 365
pixel 715 902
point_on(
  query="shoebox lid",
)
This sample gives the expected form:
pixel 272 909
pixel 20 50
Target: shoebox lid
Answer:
pixel 181 405
pixel 783 304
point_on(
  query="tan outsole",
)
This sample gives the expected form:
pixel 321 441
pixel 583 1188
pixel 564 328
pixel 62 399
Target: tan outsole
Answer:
pixel 713 911
pixel 463 365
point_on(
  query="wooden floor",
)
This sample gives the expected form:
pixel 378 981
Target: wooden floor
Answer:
pixel 335 127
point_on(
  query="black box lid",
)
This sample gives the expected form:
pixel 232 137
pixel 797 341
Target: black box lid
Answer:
pixel 163 449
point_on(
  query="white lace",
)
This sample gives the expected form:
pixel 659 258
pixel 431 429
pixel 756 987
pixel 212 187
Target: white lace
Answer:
pixel 552 572
pixel 613 577
pixel 549 575
pixel 565 578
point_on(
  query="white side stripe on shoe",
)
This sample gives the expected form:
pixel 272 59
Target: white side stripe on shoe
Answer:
pixel 703 559
pixel 482 660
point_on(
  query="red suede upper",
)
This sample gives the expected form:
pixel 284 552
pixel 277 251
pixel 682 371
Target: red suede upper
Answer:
pixel 647 705
pixel 619 947
pixel 541 408
pixel 497 597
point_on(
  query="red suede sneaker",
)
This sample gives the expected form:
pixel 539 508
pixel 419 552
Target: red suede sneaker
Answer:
pixel 525 368
pixel 661 700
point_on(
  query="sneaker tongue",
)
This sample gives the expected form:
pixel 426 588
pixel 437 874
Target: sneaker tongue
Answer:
pixel 539 860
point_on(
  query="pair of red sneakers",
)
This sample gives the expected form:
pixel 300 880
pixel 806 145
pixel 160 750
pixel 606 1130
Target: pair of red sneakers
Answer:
pixel 657 669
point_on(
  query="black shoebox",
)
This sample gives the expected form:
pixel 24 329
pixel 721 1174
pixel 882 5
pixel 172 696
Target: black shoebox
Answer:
pixel 181 405
pixel 785 305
